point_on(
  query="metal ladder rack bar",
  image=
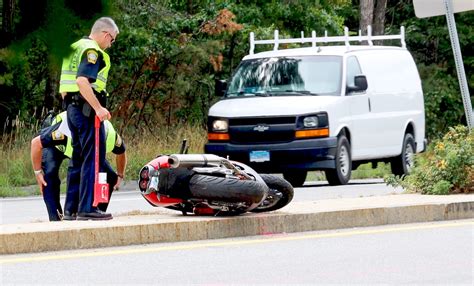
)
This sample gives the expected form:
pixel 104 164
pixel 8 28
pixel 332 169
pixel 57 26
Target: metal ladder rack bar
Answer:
pixel 276 41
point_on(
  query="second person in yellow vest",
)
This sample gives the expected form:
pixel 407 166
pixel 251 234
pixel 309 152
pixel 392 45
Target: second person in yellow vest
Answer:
pixel 48 151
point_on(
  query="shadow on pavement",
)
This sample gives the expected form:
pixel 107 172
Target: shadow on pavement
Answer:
pixel 326 184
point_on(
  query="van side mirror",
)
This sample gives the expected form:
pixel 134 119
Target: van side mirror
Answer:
pixel 360 84
pixel 220 87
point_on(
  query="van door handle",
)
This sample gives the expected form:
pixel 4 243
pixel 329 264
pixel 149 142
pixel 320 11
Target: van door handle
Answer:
pixel 370 108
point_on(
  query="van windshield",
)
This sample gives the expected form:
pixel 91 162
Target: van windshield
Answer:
pixel 307 75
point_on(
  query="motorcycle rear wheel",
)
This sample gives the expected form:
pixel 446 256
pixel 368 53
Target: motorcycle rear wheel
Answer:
pixel 226 189
pixel 279 187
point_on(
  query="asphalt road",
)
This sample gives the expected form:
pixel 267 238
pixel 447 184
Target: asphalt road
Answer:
pixel 425 253
pixel 128 200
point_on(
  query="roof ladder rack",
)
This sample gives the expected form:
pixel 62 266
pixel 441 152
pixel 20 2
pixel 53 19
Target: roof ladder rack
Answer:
pixel 276 41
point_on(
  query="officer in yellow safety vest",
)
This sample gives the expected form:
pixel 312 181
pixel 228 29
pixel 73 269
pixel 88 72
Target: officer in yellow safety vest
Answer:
pixel 51 147
pixel 83 83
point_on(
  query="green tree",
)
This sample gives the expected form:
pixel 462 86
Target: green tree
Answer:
pixel 41 33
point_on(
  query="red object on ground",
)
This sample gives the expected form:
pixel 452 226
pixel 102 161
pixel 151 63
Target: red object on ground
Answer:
pixel 101 190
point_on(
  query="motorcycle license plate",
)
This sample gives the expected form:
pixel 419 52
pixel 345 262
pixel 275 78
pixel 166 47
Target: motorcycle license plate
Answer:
pixel 259 156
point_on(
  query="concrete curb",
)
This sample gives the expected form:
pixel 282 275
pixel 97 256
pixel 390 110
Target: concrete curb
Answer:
pixel 297 217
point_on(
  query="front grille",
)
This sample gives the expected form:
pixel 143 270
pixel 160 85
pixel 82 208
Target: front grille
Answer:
pixel 261 138
pixel 262 130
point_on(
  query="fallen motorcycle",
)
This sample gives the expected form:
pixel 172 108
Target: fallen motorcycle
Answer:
pixel 205 184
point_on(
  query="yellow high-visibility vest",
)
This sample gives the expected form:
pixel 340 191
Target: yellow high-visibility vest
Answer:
pixel 70 66
pixel 110 136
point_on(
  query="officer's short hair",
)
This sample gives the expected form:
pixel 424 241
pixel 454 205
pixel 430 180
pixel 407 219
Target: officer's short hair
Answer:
pixel 104 24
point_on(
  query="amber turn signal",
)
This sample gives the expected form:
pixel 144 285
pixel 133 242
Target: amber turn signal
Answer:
pixel 312 133
pixel 218 136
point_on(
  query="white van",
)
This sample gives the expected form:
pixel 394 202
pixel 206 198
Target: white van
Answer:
pixel 327 108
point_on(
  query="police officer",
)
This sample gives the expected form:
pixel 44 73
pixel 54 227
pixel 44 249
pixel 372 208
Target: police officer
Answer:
pixel 50 148
pixel 83 87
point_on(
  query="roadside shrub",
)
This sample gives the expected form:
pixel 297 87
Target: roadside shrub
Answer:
pixel 441 92
pixel 447 167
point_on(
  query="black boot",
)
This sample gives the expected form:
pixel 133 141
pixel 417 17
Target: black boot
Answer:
pixel 94 215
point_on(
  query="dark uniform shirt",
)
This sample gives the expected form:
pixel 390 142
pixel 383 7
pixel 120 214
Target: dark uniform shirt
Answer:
pixel 52 137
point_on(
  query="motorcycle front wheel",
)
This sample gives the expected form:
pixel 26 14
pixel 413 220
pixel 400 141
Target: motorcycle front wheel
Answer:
pixel 280 194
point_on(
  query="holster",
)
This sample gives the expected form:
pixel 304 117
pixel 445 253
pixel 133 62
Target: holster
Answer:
pixel 101 97
pixel 76 99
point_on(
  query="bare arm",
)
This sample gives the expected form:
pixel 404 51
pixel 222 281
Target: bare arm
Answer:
pixel 36 153
pixel 86 91
pixel 121 161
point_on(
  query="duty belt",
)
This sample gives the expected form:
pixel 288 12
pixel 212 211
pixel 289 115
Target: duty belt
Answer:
pixel 73 98
pixel 76 99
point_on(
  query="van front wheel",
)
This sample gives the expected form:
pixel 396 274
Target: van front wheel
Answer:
pixel 295 177
pixel 342 173
pixel 402 164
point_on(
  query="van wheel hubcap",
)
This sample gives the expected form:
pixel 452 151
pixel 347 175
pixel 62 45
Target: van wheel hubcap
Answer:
pixel 344 161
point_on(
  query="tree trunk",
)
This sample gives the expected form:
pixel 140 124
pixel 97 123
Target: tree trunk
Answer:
pixel 7 22
pixel 379 17
pixel 230 56
pixel 51 88
pixel 366 15
pixel 190 7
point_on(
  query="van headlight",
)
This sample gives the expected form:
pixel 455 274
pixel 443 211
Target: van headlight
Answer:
pixel 310 122
pixel 220 125
pixel 312 126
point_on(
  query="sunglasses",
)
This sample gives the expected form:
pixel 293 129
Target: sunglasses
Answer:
pixel 112 39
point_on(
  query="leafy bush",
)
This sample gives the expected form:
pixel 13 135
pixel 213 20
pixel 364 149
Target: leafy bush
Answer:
pixel 448 167
pixel 442 96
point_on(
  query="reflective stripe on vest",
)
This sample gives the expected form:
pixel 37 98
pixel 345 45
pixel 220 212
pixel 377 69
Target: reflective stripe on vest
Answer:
pixel 110 135
pixel 71 64
pixel 58 119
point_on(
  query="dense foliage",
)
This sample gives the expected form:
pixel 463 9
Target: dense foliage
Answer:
pixel 448 167
pixel 169 53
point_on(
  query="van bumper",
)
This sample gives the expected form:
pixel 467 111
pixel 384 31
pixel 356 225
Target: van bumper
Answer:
pixel 307 154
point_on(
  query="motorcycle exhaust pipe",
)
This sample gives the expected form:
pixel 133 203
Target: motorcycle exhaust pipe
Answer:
pixel 193 160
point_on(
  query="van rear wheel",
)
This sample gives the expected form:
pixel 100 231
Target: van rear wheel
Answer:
pixel 342 173
pixel 296 178
pixel 402 164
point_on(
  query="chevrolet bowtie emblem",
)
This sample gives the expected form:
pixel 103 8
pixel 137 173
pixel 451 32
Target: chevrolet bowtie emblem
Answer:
pixel 261 128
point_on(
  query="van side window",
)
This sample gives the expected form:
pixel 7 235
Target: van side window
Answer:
pixel 353 69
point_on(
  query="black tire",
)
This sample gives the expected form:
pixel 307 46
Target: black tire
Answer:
pixel 227 190
pixel 402 164
pixel 295 177
pixel 278 186
pixel 342 173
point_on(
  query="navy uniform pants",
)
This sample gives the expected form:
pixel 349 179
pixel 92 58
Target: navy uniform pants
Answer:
pixel 82 168
pixel 51 161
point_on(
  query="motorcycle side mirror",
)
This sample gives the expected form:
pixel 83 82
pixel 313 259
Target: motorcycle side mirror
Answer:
pixel 184 147
pixel 220 87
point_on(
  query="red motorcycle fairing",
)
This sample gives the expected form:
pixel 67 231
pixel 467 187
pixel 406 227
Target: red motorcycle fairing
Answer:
pixel 154 198
pixel 160 162
pixel 160 200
